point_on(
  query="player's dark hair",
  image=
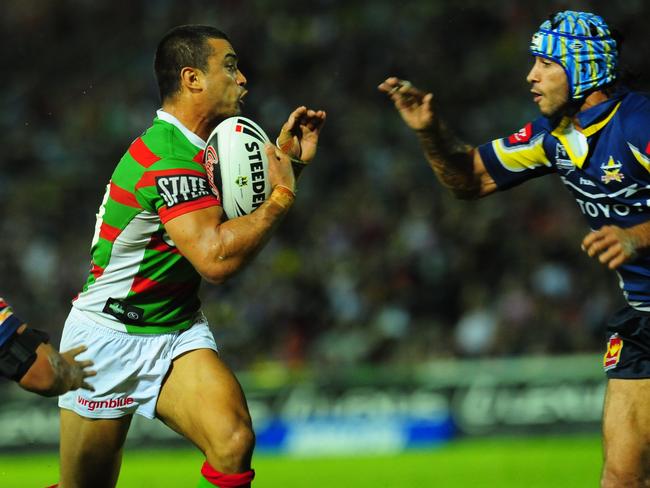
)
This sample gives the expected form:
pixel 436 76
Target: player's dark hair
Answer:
pixel 183 46
pixel 625 76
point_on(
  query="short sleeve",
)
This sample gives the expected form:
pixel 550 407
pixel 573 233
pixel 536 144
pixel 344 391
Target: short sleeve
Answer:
pixel 9 323
pixel 172 188
pixel 517 158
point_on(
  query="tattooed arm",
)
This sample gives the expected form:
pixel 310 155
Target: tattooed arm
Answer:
pixel 458 166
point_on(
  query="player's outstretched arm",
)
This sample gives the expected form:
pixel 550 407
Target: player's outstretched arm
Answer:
pixel 458 166
pixel 217 249
pixel 614 246
pixel 299 136
pixel 27 358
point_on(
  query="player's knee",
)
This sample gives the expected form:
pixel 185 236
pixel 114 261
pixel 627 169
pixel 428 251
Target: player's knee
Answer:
pixel 232 443
pixel 242 440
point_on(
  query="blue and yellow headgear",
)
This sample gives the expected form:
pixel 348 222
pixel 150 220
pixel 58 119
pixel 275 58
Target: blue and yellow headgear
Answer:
pixel 582 44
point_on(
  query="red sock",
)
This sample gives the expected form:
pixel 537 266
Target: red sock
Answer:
pixel 223 480
pixel 53 486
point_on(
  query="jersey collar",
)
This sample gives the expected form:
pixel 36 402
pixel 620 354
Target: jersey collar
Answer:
pixel 595 118
pixel 591 120
pixel 191 136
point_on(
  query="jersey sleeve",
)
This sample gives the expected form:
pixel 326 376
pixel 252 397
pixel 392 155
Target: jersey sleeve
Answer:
pixel 172 188
pixel 9 323
pixel 517 158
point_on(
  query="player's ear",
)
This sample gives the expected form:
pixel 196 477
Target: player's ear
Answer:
pixel 191 78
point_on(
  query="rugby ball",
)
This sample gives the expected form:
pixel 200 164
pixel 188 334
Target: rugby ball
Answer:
pixel 237 166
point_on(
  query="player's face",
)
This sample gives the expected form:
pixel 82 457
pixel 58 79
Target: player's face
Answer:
pixel 224 83
pixel 549 86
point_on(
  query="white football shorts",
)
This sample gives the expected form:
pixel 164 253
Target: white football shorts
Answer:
pixel 130 367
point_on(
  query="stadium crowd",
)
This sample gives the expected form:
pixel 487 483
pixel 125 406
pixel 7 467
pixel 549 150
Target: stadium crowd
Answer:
pixel 376 263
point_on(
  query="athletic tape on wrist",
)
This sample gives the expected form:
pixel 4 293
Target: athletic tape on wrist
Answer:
pixel 285 189
pixel 282 196
pixel 284 151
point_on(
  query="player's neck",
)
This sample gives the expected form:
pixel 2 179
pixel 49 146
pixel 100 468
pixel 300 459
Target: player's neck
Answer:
pixel 190 117
pixel 592 100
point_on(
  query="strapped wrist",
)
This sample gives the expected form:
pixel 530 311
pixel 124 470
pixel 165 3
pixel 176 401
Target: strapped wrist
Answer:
pixel 282 196
pixel 285 150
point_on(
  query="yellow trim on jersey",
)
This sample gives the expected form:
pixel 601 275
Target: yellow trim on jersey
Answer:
pixel 561 133
pixel 5 314
pixel 640 157
pixel 592 129
pixel 522 156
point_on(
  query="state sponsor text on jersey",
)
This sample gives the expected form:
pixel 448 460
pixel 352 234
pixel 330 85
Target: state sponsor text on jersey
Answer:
pixel 181 188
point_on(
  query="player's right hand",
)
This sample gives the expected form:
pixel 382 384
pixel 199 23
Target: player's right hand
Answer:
pixel 75 372
pixel 611 245
pixel 299 135
pixel 280 169
pixel 414 105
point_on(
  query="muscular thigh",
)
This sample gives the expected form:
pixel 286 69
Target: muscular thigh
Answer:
pixel 91 450
pixel 202 400
pixel 626 425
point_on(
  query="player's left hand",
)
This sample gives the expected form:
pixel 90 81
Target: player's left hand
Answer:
pixel 299 135
pixel 76 371
pixel 612 245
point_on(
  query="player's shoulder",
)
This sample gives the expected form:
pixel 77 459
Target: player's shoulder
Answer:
pixel 634 114
pixel 156 144
pixel 635 100
pixel 174 140
pixel 162 147
pixel 635 105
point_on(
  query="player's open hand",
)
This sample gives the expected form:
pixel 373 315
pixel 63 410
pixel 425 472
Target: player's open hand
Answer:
pixel 415 106
pixel 612 245
pixel 76 372
pixel 299 135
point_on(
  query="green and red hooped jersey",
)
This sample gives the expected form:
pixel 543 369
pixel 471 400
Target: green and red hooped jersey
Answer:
pixel 139 282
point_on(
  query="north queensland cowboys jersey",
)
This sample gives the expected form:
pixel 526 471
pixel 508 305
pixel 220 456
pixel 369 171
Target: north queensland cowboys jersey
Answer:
pixel 605 164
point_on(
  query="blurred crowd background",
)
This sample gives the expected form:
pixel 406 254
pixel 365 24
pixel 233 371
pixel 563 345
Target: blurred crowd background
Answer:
pixel 376 263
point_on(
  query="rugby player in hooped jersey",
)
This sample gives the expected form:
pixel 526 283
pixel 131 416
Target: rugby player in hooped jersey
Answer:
pixel 596 136
pixel 139 312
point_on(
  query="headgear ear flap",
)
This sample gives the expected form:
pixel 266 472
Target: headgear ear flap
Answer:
pixel 583 45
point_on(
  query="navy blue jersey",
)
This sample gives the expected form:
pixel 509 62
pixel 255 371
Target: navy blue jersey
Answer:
pixel 9 323
pixel 606 165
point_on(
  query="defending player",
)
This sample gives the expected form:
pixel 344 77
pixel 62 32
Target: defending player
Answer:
pixel 159 229
pixel 27 358
pixel 596 137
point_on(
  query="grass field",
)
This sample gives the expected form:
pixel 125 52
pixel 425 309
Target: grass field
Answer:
pixel 570 462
